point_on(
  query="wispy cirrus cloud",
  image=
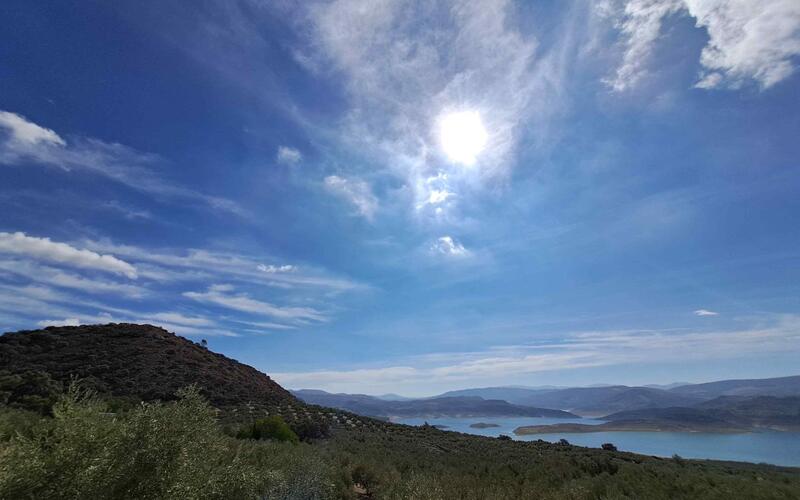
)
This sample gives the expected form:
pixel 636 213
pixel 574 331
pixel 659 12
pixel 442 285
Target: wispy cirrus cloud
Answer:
pixel 705 312
pixel 640 27
pixel 200 264
pixel 42 280
pixel 288 155
pixel 403 76
pixel 48 275
pixel 356 192
pixel 224 296
pixel 578 350
pixel 24 142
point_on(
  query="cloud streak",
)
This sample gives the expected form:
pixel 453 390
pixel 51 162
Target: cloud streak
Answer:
pixel 62 253
pixel 574 351
pixel 356 192
pixel 221 295
pixel 288 155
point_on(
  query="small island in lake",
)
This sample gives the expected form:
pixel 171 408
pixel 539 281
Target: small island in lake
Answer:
pixel 483 425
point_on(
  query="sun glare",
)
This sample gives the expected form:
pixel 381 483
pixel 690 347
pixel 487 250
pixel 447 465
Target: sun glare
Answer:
pixel 462 136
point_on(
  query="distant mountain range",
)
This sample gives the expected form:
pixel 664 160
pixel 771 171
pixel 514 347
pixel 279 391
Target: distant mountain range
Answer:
pixel 586 401
pixel 595 401
pixel 723 414
pixel 779 387
pixel 605 400
pixel 461 406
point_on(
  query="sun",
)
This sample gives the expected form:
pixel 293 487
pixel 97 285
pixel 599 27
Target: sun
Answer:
pixel 462 136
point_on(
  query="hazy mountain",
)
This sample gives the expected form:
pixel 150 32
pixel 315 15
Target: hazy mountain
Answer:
pixel 514 395
pixel 596 400
pixel 603 400
pixel 781 387
pixel 666 387
pixel 393 397
pixel 432 407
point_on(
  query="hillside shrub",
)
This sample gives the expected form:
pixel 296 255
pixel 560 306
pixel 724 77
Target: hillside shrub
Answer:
pixel 30 390
pixel 272 427
pixel 308 430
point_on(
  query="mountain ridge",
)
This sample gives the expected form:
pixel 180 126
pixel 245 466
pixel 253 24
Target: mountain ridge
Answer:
pixel 363 404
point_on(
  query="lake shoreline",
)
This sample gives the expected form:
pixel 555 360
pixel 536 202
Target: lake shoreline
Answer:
pixel 625 427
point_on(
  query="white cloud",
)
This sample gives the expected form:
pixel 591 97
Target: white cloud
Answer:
pixel 198 264
pixel 28 142
pixel 355 191
pixel 446 245
pixel 45 249
pixel 705 312
pixel 749 41
pixel 27 134
pixel 288 155
pixel 59 322
pixel 102 318
pixel 640 28
pixel 51 276
pixel 271 269
pixel 221 296
pixel 437 196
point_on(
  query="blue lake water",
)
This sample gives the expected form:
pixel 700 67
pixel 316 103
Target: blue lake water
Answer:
pixel 778 448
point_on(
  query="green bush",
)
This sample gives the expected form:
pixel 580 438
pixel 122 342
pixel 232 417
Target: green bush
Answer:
pixel 173 450
pixel 29 390
pixel 272 427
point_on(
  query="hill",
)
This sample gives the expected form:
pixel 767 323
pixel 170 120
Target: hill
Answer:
pixel 433 407
pixel 141 361
pixel 779 387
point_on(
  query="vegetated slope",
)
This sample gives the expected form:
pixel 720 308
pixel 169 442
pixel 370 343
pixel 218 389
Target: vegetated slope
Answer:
pixel 433 407
pixel 760 411
pixel 780 387
pixel 141 361
pixel 750 413
pixel 423 462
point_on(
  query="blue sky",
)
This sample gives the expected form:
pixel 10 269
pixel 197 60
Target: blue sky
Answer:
pixel 412 196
